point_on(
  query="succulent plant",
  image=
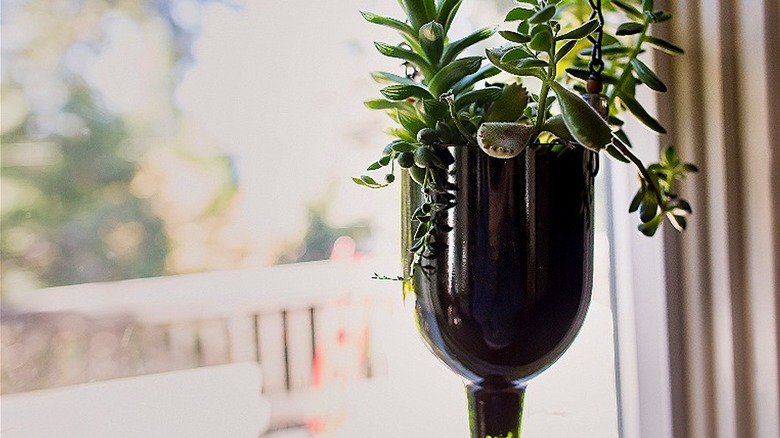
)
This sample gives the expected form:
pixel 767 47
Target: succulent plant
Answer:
pixel 563 48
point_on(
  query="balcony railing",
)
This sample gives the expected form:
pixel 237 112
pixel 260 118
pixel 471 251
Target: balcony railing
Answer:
pixel 309 327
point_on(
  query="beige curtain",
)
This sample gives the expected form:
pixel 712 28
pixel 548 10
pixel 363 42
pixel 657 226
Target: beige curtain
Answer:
pixel 724 272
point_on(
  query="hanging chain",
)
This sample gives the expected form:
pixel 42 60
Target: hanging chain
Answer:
pixel 596 65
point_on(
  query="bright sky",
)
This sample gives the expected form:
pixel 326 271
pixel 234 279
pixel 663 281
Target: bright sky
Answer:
pixel 282 89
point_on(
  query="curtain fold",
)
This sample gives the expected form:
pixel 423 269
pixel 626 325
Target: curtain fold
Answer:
pixel 723 273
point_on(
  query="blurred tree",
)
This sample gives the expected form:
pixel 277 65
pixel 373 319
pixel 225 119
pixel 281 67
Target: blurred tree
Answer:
pixel 318 240
pixel 70 149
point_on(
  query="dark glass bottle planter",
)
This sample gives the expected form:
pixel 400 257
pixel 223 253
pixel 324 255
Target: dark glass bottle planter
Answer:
pixel 510 293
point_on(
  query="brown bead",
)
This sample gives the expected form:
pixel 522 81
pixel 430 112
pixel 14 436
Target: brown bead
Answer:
pixel 594 86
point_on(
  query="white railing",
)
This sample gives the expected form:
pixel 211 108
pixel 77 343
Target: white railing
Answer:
pixel 308 326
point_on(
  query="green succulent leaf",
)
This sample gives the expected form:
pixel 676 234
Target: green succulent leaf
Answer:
pixel 663 45
pixel 616 154
pixel 447 11
pixel 435 108
pixel 564 50
pixel 494 55
pixel 403 147
pixel 637 200
pixel 543 15
pixel 407 55
pixel 392 23
pixel 432 41
pixel 583 122
pixel 510 105
pixel 680 223
pixel 647 5
pixel 648 209
pixel 412 124
pixel 640 113
pixel 647 76
pixel 630 10
pixel 583 31
pixel 402 92
pixel 515 37
pixel 557 127
pixel 385 77
pixel 649 228
pixel 661 16
pixel 451 51
pixel 485 72
pixel 519 13
pixel 383 104
pixel 541 38
pixel 487 94
pixel 515 54
pixel 451 73
pixel 416 11
pixel 630 28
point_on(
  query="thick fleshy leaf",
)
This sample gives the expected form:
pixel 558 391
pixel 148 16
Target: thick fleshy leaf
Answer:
pixel 389 22
pixel 649 228
pixel 640 113
pixel 451 51
pixel 616 154
pixel 661 16
pixel 637 200
pixel 415 10
pixel 515 37
pixel 509 107
pixel 494 55
pixel 663 45
pixel 515 54
pixel 648 209
pixel 630 10
pixel 580 32
pixel 648 76
pixel 447 11
pixel 401 92
pixel 487 94
pixel 519 13
pixel 630 28
pixel 432 41
pixel 412 124
pixel 564 50
pixel 435 108
pixel 407 55
pixel 452 73
pixel 557 127
pixel 541 38
pixel 583 122
pixel 543 15
pixel 385 77
pixel 382 104
pixel 485 72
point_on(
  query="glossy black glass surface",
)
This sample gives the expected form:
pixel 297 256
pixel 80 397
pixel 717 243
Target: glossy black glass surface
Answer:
pixel 511 292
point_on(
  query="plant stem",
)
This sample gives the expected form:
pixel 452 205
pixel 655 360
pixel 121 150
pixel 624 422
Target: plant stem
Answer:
pixel 552 72
pixel 627 69
pixel 625 150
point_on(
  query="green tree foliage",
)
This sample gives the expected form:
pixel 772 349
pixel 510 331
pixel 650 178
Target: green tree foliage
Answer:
pixel 69 213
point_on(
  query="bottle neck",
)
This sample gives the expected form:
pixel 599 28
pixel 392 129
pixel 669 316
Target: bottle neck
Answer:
pixel 495 411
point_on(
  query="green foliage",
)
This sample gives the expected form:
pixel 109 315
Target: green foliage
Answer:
pixel 548 42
